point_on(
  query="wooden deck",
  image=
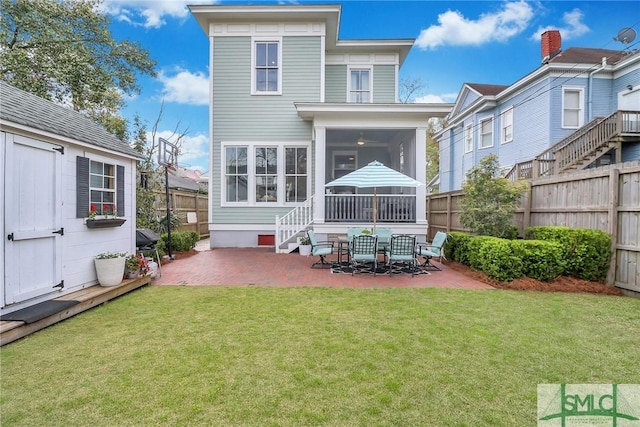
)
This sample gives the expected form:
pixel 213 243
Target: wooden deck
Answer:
pixel 88 297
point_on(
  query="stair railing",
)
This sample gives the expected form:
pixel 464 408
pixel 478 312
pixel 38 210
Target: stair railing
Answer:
pixel 289 225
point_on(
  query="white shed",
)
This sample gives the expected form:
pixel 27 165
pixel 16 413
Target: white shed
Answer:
pixel 57 165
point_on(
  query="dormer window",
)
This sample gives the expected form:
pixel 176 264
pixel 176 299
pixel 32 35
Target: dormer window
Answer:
pixel 360 85
pixel 267 69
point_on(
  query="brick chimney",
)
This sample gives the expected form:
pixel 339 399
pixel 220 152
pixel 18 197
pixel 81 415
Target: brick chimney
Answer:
pixel 551 43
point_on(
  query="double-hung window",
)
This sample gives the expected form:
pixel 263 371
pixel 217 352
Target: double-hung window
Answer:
pixel 259 174
pixel 102 187
pixel 468 138
pixel 572 108
pixel 360 85
pixel 486 133
pixel 266 174
pixel 236 174
pixel 267 69
pixel 296 174
pixel 507 126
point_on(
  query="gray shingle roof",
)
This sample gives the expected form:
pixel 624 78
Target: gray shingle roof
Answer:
pixel 26 109
pixel 583 55
pixel 485 89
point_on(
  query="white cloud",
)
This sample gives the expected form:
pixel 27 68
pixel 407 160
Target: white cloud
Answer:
pixel 456 30
pixel 432 98
pixel 185 87
pixel 192 147
pixel 149 14
pixel 573 26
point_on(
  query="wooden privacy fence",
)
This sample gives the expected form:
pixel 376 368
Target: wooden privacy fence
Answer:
pixel 187 205
pixel 605 198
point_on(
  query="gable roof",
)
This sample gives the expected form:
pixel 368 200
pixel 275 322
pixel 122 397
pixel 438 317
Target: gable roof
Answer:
pixel 27 109
pixel 584 55
pixel 486 89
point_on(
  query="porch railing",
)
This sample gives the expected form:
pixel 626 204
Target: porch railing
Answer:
pixel 289 225
pixel 359 208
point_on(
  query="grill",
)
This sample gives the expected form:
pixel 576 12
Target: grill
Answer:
pixel 146 240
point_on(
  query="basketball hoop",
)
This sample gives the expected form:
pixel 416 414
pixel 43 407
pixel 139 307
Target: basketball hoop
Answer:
pixel 167 157
pixel 167 153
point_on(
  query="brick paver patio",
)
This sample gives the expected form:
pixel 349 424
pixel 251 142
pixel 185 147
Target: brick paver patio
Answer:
pixel 264 267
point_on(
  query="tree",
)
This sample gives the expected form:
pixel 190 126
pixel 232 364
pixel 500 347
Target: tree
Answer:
pixel 63 51
pixel 433 148
pixel 150 179
pixel 490 201
pixel 409 89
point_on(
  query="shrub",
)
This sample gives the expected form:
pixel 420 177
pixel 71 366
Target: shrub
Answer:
pixel 497 259
pixel 181 241
pixel 587 252
pixel 456 247
pixel 540 260
pixel 473 247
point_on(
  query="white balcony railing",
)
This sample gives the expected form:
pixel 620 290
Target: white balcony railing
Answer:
pixel 359 208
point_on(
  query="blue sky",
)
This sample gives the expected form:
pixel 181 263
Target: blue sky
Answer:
pixel 493 42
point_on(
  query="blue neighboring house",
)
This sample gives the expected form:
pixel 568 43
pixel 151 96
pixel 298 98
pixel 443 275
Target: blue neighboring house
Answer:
pixel 579 109
pixel 293 107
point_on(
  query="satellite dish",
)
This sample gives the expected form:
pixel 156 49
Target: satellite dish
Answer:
pixel 626 35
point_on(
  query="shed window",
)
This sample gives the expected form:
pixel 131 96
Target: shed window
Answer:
pixel 99 188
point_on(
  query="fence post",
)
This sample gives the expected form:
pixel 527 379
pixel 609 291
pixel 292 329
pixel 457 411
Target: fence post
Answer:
pixel 612 222
pixel 526 215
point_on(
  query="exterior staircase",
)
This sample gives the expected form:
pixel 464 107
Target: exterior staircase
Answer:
pixel 292 225
pixel 581 148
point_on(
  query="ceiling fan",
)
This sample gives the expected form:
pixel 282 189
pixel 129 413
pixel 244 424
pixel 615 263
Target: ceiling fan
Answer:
pixel 362 141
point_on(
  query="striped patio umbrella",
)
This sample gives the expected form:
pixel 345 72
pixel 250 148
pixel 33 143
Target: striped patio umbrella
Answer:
pixel 374 175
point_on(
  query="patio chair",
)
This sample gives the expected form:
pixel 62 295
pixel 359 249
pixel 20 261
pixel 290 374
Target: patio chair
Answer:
pixel 320 249
pixel 401 254
pixel 384 238
pixel 363 252
pixel 432 250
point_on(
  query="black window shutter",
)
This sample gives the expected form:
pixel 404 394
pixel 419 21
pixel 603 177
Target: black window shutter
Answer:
pixel 82 187
pixel 120 190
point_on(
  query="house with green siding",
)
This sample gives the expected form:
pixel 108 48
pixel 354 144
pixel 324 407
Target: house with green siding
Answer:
pixel 293 107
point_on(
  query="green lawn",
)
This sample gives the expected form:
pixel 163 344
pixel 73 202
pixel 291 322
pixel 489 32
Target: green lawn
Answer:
pixel 250 356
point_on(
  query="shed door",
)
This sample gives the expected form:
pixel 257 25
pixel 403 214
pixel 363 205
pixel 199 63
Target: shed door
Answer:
pixel 33 217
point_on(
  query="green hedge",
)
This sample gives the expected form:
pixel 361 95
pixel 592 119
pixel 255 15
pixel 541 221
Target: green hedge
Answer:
pixel 181 241
pixel 587 252
pixel 507 260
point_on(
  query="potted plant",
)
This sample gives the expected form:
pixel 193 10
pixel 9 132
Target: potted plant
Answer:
pixel 136 266
pixel 110 268
pixel 102 221
pixel 305 246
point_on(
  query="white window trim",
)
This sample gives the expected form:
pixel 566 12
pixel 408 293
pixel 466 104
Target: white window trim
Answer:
pixel 506 113
pixel 255 40
pixel 482 121
pixel 468 137
pixel 251 175
pixel 284 173
pixel 360 67
pixel 223 171
pixel 580 91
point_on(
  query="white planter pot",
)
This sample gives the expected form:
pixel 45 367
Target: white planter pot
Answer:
pixel 110 271
pixel 305 250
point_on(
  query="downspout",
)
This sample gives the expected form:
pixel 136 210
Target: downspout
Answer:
pixel 591 74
